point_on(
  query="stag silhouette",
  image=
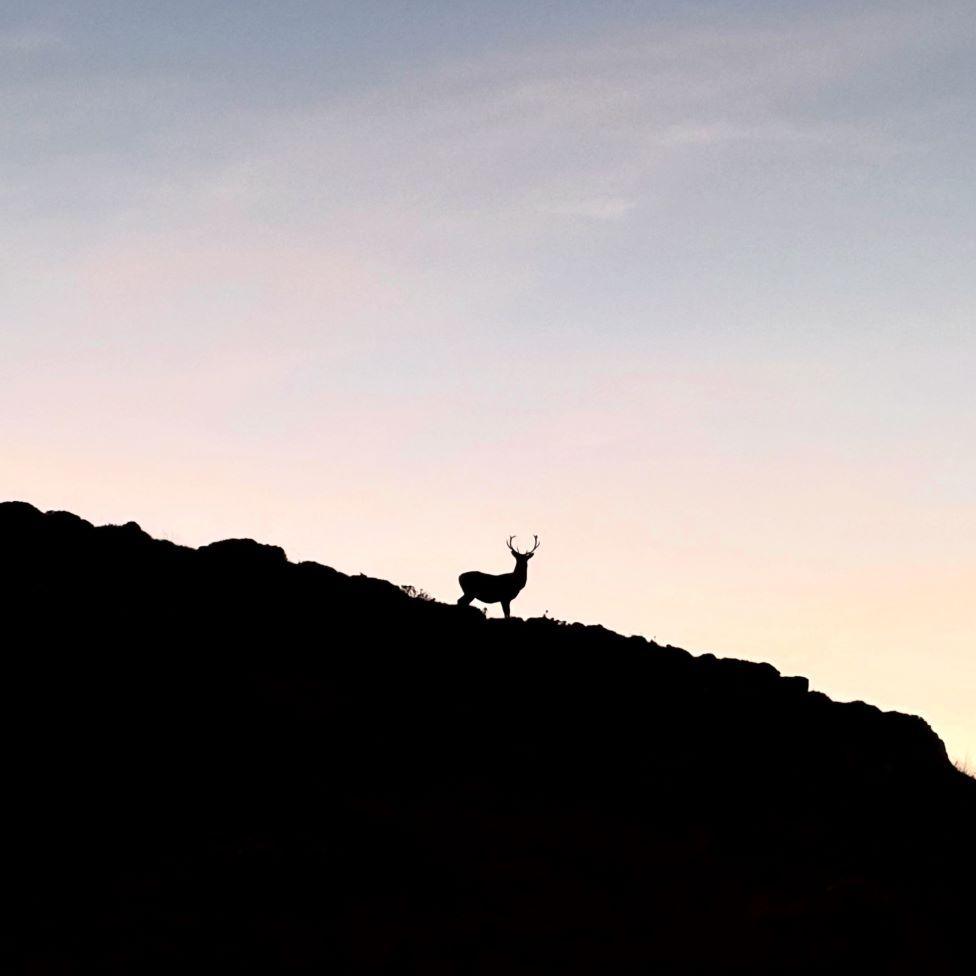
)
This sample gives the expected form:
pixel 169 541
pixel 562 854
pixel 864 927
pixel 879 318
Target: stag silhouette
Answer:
pixel 498 589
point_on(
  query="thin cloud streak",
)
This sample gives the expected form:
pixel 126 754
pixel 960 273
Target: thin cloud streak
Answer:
pixel 30 41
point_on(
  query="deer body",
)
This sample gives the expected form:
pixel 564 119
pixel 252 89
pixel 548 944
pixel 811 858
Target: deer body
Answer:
pixel 502 588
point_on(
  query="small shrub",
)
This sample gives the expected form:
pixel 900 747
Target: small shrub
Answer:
pixel 415 592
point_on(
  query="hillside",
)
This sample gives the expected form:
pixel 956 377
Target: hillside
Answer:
pixel 219 759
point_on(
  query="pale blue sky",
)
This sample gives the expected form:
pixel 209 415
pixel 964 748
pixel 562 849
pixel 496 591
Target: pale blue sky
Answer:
pixel 685 287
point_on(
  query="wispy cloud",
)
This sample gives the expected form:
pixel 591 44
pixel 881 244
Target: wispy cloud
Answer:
pixel 575 129
pixel 606 208
pixel 30 40
pixel 582 130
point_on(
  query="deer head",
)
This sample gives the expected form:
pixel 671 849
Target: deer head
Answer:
pixel 521 558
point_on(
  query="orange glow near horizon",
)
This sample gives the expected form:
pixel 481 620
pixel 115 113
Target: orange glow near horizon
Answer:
pixel 833 611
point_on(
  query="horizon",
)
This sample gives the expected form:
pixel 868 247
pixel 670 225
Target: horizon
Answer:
pixel 683 289
pixel 492 611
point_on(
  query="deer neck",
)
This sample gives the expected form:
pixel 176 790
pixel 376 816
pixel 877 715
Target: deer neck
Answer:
pixel 520 573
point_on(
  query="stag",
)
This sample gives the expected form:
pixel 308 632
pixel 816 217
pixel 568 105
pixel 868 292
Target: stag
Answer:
pixel 498 589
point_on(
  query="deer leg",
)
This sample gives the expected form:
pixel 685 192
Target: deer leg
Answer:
pixel 506 606
pixel 465 599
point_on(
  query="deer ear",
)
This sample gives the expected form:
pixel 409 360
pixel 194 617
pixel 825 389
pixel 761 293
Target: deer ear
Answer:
pixel 529 555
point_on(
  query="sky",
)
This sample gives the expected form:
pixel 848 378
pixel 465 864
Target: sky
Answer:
pixel 683 287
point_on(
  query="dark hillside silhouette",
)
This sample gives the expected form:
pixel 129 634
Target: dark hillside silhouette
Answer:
pixel 219 760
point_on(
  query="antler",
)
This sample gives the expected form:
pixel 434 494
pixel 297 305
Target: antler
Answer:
pixel 537 543
pixel 511 548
